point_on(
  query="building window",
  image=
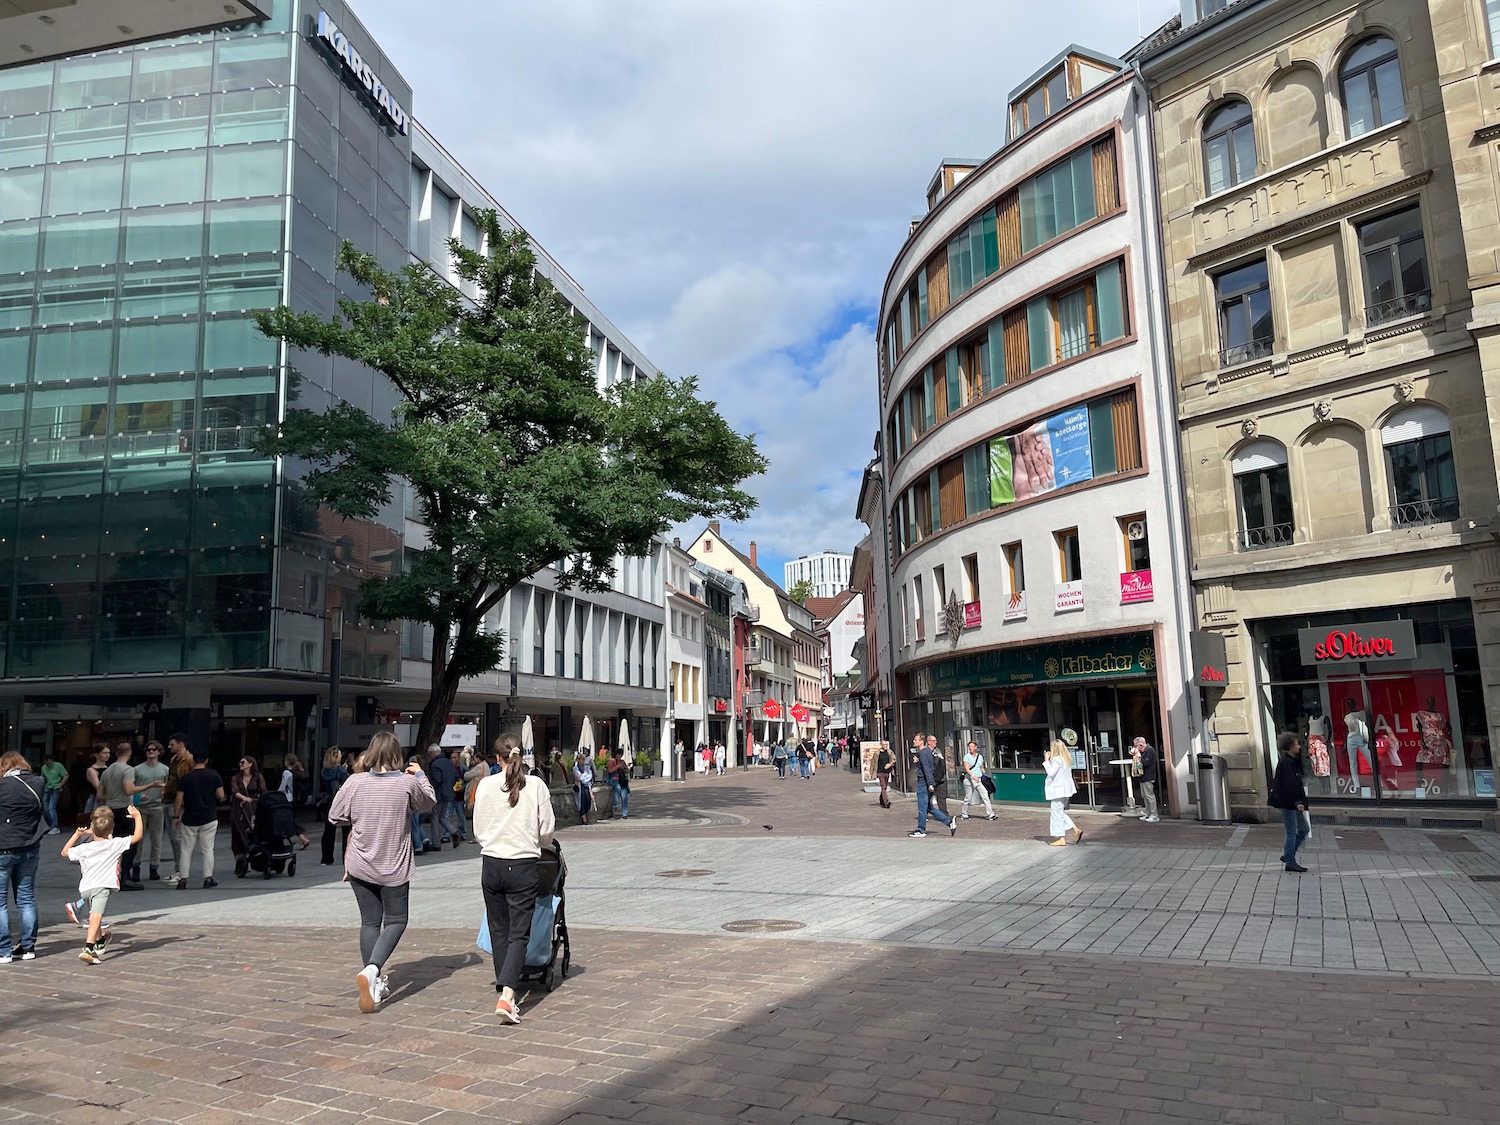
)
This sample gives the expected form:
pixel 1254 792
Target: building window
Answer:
pixel 1069 560
pixel 1394 254
pixel 1228 146
pixel 917 614
pixel 1137 544
pixel 1492 20
pixel 1371 83
pixel 1264 490
pixel 1419 460
pixel 1055 201
pixel 1015 568
pixel 1089 315
pixel 971 578
pixel 1243 296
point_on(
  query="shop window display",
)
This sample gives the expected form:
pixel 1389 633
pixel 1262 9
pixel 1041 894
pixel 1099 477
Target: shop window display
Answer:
pixel 1401 725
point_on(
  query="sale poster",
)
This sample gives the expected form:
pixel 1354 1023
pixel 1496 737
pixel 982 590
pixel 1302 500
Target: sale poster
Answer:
pixel 1405 737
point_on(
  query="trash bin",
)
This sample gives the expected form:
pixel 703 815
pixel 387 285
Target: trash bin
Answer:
pixel 1213 789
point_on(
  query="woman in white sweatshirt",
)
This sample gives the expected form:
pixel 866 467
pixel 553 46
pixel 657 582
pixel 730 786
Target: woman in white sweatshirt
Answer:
pixel 512 821
pixel 1060 786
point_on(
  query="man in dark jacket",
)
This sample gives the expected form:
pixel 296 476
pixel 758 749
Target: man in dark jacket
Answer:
pixel 1145 754
pixel 924 778
pixel 23 823
pixel 1289 795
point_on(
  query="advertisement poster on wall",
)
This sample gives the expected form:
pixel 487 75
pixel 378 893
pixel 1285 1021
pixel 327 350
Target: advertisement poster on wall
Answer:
pixel 1047 455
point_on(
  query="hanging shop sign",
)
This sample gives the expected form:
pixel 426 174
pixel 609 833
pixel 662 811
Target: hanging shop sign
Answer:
pixel 1210 659
pixel 1015 606
pixel 1070 596
pixel 721 706
pixel 972 617
pixel 1128 654
pixel 339 44
pixel 800 714
pixel 1353 644
pixel 1135 586
pixel 771 709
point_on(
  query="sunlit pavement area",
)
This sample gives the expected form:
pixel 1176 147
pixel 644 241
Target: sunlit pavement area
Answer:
pixel 748 949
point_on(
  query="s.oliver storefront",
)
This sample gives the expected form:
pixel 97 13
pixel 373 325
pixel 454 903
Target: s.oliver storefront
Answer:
pixel 1388 702
pixel 1095 694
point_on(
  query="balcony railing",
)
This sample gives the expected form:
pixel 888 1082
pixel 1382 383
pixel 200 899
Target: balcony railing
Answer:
pixel 1236 354
pixel 1417 512
pixel 1259 538
pixel 1409 304
pixel 752 612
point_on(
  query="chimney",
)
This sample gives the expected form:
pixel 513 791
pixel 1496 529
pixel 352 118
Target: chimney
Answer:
pixel 752 553
pixel 713 525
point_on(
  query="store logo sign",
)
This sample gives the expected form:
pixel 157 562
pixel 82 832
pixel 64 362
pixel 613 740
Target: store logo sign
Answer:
pixel 1070 596
pixel 1135 586
pixel 339 44
pixel 1384 640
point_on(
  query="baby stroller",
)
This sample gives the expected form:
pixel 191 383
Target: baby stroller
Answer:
pixel 275 827
pixel 549 923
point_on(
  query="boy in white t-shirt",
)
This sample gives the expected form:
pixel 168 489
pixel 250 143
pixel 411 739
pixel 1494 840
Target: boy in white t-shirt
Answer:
pixel 99 859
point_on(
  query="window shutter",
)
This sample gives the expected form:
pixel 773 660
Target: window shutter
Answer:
pixel 955 397
pixel 1008 230
pixel 1102 436
pixel 1111 303
pixel 991 242
pixel 1106 190
pixel 1017 356
pixel 995 376
pixel 1127 434
pixel 951 491
pixel 937 284
pixel 1084 207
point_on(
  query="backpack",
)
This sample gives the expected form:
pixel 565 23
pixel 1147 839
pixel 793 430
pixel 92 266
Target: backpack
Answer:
pixel 939 768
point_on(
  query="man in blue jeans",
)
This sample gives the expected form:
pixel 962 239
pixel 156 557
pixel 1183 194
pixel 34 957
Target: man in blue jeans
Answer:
pixel 22 826
pixel 1290 796
pixel 924 774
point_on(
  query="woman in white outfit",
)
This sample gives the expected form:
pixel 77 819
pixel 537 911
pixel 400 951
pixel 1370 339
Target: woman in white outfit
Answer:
pixel 1060 787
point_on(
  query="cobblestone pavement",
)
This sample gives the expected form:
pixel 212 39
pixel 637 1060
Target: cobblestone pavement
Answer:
pixel 983 978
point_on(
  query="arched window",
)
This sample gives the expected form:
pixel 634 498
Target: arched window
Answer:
pixel 1228 146
pixel 1263 488
pixel 1419 462
pixel 1370 80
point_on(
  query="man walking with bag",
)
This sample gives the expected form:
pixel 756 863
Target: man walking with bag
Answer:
pixel 975 777
pixel 926 786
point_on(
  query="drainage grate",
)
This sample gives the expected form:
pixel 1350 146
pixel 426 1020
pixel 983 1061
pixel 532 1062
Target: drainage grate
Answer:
pixel 1377 822
pixel 684 873
pixel 762 926
pixel 1434 822
pixel 1485 878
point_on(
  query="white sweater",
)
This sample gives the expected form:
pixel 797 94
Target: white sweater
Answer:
pixel 507 832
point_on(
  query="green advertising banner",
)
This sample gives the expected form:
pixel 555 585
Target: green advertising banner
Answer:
pixel 1129 654
pixel 1002 483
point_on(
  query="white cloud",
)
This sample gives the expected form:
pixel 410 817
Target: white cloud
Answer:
pixel 730 181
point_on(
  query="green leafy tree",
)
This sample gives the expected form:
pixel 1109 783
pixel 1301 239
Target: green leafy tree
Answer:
pixel 801 590
pixel 517 459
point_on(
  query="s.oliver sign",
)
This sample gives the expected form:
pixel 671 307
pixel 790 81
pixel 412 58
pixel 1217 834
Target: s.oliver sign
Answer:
pixel 1352 644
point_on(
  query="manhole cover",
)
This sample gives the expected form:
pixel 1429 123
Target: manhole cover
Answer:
pixel 762 925
pixel 684 873
pixel 1485 878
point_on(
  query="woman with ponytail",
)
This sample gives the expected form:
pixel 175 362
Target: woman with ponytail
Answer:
pixel 512 821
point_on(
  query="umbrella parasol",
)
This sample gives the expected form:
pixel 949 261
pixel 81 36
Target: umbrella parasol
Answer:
pixel 586 736
pixel 528 743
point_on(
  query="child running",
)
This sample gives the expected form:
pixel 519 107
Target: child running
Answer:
pixel 99 860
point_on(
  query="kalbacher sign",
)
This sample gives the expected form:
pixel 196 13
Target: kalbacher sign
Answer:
pixel 1351 644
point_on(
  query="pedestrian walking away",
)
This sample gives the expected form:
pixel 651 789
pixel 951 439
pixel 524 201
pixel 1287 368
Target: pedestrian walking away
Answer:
pixel 975 775
pixel 1059 787
pixel 583 782
pixel 884 762
pixel 150 786
pixel 923 770
pixel 377 805
pixel 199 792
pixel 513 821
pixel 98 852
pixel 332 776
pixel 778 755
pixel 617 773
pixel 1146 757
pixel 447 786
pixel 55 777
pixel 23 823
pixel 1290 796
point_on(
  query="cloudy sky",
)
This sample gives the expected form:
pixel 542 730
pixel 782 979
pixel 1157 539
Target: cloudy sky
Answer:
pixel 730 180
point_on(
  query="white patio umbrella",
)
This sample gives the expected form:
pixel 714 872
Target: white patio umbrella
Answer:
pixel 528 744
pixel 586 736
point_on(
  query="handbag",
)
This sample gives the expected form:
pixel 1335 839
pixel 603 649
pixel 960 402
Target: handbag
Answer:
pixel 988 782
pixel 483 940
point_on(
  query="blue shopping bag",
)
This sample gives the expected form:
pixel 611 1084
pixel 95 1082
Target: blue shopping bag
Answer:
pixel 539 948
pixel 483 940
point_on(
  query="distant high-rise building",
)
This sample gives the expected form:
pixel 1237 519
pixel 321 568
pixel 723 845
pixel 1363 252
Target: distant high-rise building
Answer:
pixel 828 572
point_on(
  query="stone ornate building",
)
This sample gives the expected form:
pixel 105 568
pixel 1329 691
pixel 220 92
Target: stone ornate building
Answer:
pixel 1328 206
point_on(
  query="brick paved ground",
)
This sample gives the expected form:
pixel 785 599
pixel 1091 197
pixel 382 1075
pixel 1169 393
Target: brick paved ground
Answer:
pixel 934 980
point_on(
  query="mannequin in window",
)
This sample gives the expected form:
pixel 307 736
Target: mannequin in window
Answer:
pixel 1357 738
pixel 1434 745
pixel 1317 751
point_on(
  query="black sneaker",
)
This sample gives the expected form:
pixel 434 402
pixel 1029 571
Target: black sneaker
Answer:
pixel 132 885
pixel 209 884
pixel 155 875
pixel 1297 867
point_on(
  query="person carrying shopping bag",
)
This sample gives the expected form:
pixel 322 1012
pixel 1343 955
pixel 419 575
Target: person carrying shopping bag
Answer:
pixel 1059 787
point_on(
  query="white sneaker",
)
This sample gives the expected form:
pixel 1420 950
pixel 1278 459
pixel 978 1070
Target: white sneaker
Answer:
pixel 382 989
pixel 368 984
pixel 54 831
pixel 917 835
pixel 5 958
pixel 1151 819
pixel 28 955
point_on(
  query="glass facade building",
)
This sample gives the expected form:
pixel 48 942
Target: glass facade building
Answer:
pixel 155 572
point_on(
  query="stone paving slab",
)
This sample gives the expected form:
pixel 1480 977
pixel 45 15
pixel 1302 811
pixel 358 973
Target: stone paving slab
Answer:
pixel 223 1025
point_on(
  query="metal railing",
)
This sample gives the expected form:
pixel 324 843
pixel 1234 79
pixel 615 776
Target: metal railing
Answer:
pixel 1414 513
pixel 1259 538
pixel 1236 354
pixel 1408 304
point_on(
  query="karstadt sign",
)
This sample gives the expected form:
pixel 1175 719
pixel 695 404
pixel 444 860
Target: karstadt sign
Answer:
pixel 339 44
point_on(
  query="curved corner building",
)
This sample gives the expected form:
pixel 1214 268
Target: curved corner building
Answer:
pixel 1038 584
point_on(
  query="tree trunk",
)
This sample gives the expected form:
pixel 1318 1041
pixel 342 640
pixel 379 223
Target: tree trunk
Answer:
pixel 435 713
